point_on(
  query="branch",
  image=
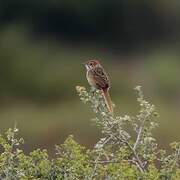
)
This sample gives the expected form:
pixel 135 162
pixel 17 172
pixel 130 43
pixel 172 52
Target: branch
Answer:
pixel 95 167
pixel 177 155
pixel 96 160
pixel 138 137
pixel 138 161
pixel 110 161
pixel 139 133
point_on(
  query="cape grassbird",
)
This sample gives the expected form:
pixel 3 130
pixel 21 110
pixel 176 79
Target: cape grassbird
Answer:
pixel 98 78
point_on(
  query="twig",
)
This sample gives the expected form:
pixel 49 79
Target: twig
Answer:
pixel 140 164
pixel 111 161
pixel 139 133
pixel 138 137
pixel 177 155
pixel 95 167
pixel 96 161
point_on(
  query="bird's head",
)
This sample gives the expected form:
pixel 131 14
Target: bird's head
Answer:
pixel 92 64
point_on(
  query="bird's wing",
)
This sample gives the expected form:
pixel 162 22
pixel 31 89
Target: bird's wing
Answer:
pixel 101 78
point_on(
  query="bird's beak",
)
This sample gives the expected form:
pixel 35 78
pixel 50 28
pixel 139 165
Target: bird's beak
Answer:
pixel 86 66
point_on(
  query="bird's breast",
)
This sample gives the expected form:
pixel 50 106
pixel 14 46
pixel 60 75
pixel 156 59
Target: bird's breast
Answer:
pixel 90 79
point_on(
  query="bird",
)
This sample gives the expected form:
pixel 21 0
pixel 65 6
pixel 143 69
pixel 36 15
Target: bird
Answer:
pixel 98 79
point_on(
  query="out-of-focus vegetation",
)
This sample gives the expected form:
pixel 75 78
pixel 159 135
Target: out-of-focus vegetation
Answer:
pixel 37 80
pixel 125 23
pixel 43 45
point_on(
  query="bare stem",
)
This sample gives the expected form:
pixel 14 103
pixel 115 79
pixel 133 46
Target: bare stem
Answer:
pixel 95 166
pixel 98 157
pixel 136 156
pixel 139 162
pixel 138 137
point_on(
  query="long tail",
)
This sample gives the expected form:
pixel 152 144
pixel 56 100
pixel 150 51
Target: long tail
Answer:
pixel 107 99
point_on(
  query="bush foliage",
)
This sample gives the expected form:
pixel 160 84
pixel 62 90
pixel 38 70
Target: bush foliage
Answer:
pixel 126 150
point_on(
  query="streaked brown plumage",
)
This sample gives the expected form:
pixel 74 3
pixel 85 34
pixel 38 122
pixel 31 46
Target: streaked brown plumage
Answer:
pixel 98 79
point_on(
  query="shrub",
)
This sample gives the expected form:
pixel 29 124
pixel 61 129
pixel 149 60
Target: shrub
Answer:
pixel 126 150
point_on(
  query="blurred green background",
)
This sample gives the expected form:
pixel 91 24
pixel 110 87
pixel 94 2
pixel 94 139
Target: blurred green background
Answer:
pixel 43 44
